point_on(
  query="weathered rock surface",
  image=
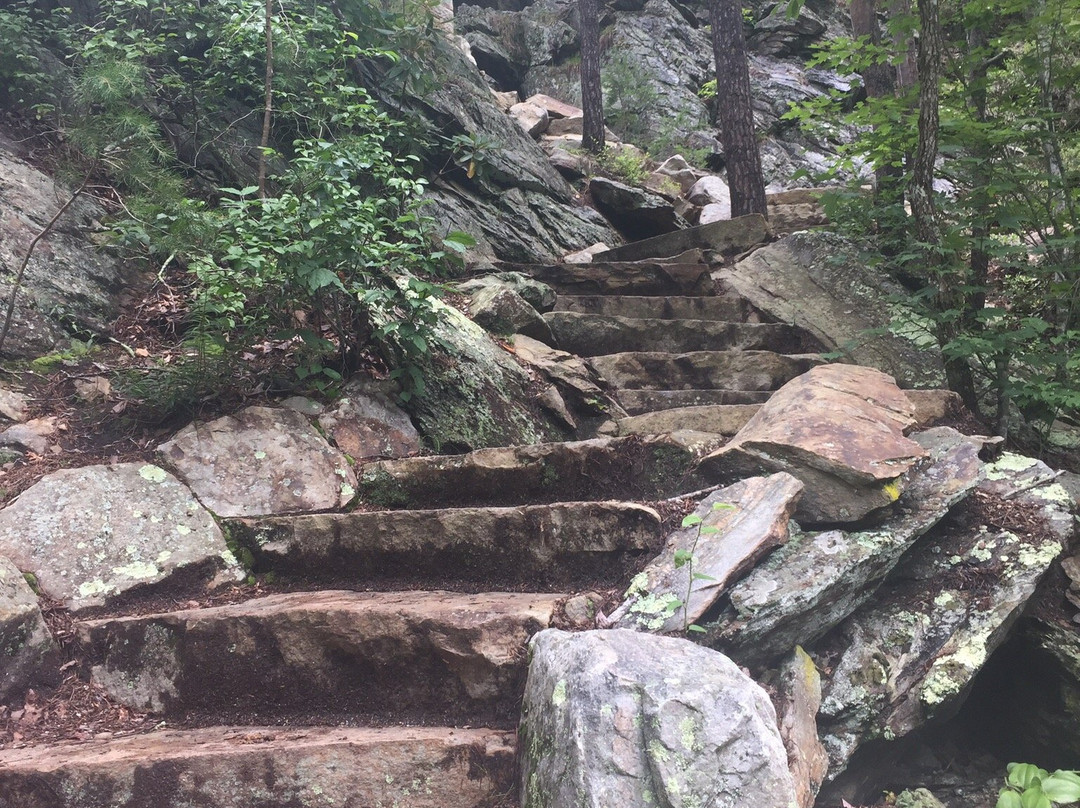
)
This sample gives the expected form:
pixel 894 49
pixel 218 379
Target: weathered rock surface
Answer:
pixel 623 718
pixel 739 525
pixel 595 334
pixel 638 402
pixel 721 419
pixel 503 311
pixel 367 422
pixel 727 307
pixel 630 468
pixel 798 699
pixel 28 654
pixel 14 405
pixel 254 767
pixel 701 370
pixel 816 580
pixel 475 395
pixel 538 295
pixel 260 461
pixel 816 281
pixel 531 117
pixel 415 654
pixel 33 435
pixel 69 282
pixel 728 236
pixel 685 275
pixel 635 212
pixel 92 533
pixel 710 190
pixel 838 428
pixel 566 541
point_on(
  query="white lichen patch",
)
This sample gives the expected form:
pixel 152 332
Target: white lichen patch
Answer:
pixel 137 570
pixel 97 588
pixel 153 473
pixel 1008 464
pixel 1038 557
pixel 1055 493
pixel 558 694
pixel 950 674
pixel 183 530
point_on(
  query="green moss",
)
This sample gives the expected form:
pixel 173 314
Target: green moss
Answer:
pixel 380 488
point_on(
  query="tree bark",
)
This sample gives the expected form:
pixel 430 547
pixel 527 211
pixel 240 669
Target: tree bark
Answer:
pixel 734 109
pixel 879 80
pixel 592 93
pixel 268 98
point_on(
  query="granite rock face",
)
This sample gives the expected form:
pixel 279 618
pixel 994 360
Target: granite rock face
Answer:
pixel 28 654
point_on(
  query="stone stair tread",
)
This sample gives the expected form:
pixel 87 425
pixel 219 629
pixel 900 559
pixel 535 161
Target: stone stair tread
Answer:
pixel 420 656
pixel 701 370
pixel 594 469
pixel 719 419
pixel 597 334
pixel 562 544
pixel 621 278
pixel 729 307
pixel 637 402
pixel 252 766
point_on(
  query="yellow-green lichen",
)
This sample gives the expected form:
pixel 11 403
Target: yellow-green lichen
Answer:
pixel 1008 464
pixel 153 474
pixel 558 695
pixel 1035 557
pixel 139 570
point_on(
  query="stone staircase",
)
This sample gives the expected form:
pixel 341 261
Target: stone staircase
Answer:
pixel 384 676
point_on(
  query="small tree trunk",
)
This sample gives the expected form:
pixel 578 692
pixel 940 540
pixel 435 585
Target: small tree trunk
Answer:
pixel 268 97
pixel 879 80
pixel 734 109
pixel 592 93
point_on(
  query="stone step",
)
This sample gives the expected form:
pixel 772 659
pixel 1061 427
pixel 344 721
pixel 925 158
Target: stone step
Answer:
pixel 636 402
pixel 256 767
pixel 600 468
pixel 414 657
pixel 594 334
pixel 728 307
pixel 719 419
pixel 562 544
pixel 701 370
pixel 621 278
pixel 727 236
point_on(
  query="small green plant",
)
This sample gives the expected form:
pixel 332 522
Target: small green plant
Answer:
pixel 624 164
pixel 685 558
pixel 629 97
pixel 1028 786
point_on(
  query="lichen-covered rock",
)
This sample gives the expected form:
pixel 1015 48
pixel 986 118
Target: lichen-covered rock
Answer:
pixel 630 719
pixel 367 422
pixel 475 395
pixel 811 279
pixel 537 294
pixel 816 580
pixel 28 654
pixel 839 429
pixel 504 312
pixel 738 525
pixel 797 696
pixel 69 282
pixel 260 461
pixel 92 533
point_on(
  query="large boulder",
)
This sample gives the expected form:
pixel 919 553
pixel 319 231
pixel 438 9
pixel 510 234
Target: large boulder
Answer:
pixel 70 285
pixel 260 461
pixel 635 212
pixel 813 280
pixel 366 422
pixel 92 533
pixel 28 653
pixel 630 719
pixel 839 429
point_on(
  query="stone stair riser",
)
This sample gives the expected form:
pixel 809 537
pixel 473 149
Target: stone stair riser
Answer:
pixel 701 370
pixel 729 308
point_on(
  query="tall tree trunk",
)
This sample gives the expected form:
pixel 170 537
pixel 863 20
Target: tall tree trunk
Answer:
pixel 879 80
pixel 734 110
pixel 907 71
pixel 592 93
pixel 949 300
pixel 268 97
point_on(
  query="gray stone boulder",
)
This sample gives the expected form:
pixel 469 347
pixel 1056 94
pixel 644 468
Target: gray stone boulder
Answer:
pixel 28 654
pixel 504 312
pixel 536 293
pixel 366 422
pixel 708 190
pixel 93 533
pixel 533 118
pixel 70 283
pixel 714 212
pixel 738 526
pixel 839 429
pixel 812 280
pixel 680 171
pixel 733 236
pixel 260 461
pixel 634 212
pixel 630 719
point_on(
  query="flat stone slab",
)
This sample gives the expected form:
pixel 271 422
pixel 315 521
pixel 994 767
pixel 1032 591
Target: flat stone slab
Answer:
pixel 639 402
pixel 721 419
pixel 93 533
pixel 523 544
pixel 728 236
pixel 413 654
pixel 838 428
pixel 600 468
pixel 260 461
pixel 729 307
pixel 366 422
pixel 621 718
pixel 627 278
pixel 595 334
pixel 816 580
pixel 738 526
pixel 253 767
pixel 701 370
pixel 28 654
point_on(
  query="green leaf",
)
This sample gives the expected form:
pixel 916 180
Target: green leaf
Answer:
pixel 691 520
pixel 696 629
pixel 1034 798
pixel 1060 788
pixel 1025 775
pixel 682 558
pixel 1009 799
